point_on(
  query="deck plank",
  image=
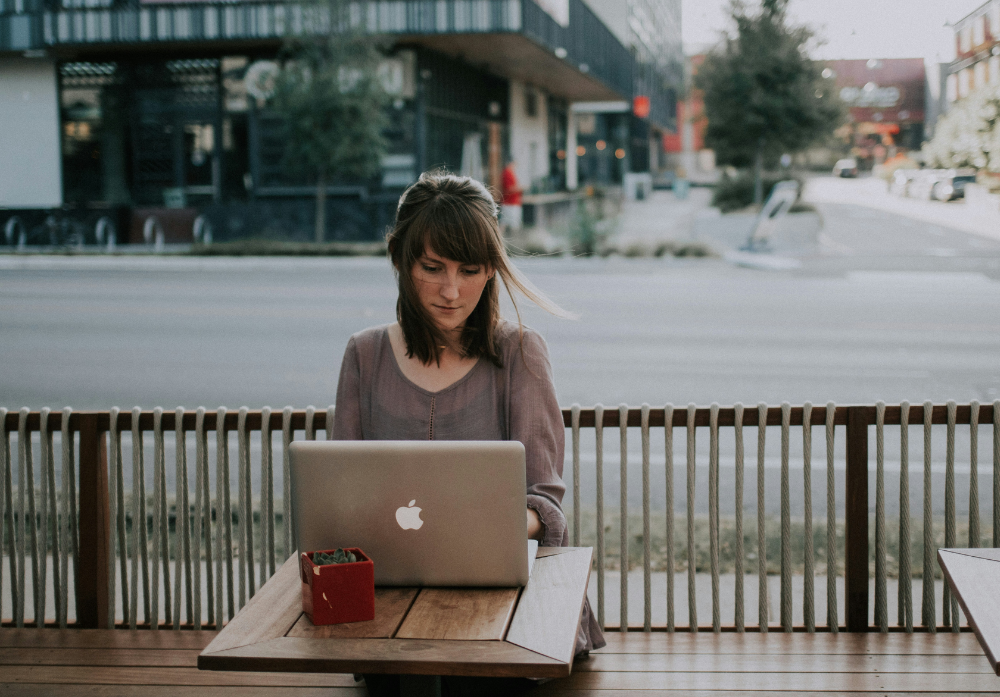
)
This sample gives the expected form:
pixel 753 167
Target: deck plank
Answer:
pixel 98 657
pixel 146 675
pixel 27 690
pixel 774 663
pixel 784 682
pixel 797 643
pixel 106 638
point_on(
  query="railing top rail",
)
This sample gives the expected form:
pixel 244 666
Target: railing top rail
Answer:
pixel 727 417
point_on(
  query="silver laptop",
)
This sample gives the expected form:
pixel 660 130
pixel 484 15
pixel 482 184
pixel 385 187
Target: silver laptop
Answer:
pixel 429 513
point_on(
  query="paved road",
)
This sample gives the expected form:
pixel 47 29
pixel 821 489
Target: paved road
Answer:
pixel 882 307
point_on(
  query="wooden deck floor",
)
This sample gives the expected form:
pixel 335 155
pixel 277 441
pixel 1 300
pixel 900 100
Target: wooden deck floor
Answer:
pixel 112 663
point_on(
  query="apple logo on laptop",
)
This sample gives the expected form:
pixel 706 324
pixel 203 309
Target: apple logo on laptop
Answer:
pixel 408 517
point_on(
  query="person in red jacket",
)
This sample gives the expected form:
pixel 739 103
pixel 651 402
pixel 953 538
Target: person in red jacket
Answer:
pixel 512 198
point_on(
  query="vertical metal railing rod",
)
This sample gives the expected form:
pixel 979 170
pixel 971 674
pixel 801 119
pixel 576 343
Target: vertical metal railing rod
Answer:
pixel 713 513
pixel 808 582
pixel 786 520
pixel 623 560
pixel 738 619
pixel 974 534
pixel 762 604
pixel 575 439
pixel 599 471
pixel 927 610
pixel 949 604
pixel 182 526
pixel 691 560
pixel 668 443
pixel 160 549
pixel 881 603
pixel 68 519
pixel 6 509
pixel 647 590
pixel 905 585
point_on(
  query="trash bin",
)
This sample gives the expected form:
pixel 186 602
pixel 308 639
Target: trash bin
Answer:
pixel 681 188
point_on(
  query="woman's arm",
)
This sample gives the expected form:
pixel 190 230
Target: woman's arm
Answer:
pixel 347 416
pixel 536 421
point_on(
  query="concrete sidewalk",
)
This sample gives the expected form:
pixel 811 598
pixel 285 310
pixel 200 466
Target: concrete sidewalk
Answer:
pixel 873 193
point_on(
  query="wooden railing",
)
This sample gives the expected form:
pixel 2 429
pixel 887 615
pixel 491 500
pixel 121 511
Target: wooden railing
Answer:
pixel 88 526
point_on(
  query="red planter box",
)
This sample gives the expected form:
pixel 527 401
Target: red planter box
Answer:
pixel 338 593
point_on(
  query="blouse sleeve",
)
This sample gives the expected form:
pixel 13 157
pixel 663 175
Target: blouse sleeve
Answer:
pixel 536 421
pixel 347 415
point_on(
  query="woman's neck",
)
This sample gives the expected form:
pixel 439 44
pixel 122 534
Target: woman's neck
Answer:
pixel 435 376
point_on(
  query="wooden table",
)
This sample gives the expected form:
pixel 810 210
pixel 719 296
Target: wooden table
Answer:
pixel 974 577
pixel 501 632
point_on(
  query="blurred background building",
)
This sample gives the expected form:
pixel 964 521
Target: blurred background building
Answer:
pixel 886 103
pixel 977 49
pixel 123 108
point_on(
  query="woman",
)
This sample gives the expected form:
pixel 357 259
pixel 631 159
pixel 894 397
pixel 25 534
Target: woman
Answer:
pixel 450 368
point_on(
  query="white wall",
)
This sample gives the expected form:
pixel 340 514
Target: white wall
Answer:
pixel 30 162
pixel 529 135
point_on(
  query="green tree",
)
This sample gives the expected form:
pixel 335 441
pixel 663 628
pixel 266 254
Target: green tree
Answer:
pixel 332 102
pixel 763 95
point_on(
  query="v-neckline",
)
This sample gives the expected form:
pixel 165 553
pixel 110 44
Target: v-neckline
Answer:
pixel 430 393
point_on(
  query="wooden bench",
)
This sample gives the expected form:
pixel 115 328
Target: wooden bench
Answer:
pixel 108 663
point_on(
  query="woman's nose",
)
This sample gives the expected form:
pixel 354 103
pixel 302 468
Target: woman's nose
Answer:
pixel 449 289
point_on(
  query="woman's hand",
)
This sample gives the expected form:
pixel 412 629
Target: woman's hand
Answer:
pixel 535 527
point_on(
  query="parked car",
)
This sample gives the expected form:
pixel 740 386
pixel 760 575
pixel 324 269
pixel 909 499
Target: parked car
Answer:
pixel 901 180
pixel 922 185
pixel 951 184
pixel 848 167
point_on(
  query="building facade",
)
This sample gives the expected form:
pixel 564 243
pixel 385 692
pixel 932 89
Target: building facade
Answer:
pixel 122 110
pixel 977 51
pixel 618 138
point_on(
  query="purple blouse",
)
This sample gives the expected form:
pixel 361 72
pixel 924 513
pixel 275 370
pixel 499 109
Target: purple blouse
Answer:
pixel 375 401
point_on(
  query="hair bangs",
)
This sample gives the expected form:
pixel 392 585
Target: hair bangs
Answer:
pixel 451 230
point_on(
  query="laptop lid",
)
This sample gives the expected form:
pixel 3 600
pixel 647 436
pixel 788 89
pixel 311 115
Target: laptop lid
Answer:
pixel 428 513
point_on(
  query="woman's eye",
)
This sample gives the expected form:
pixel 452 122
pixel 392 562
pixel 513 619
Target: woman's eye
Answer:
pixel 430 269
pixel 470 272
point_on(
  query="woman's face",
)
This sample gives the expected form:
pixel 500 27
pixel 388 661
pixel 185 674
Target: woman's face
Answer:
pixel 448 290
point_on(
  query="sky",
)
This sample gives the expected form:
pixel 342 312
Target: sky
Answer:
pixel 851 28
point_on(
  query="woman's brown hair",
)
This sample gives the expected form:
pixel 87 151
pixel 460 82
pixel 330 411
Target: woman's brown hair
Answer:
pixel 457 218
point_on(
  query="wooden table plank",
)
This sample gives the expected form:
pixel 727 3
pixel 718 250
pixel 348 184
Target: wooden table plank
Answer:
pixel 269 614
pixel 795 644
pixel 548 613
pixel 105 675
pixel 460 614
pixel 976 583
pixel 106 638
pixel 410 656
pixel 777 663
pixel 391 605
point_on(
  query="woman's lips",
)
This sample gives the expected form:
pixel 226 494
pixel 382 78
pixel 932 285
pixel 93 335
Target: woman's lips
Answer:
pixel 446 310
